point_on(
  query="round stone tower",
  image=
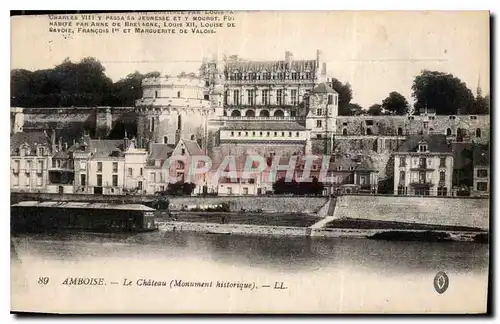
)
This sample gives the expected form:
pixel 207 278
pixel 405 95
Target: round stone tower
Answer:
pixel 171 109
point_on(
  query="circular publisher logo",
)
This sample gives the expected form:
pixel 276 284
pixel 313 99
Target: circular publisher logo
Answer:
pixel 441 282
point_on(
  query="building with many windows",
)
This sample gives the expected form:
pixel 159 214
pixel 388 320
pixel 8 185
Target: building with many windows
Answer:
pixel 481 175
pixel 423 166
pixel 30 156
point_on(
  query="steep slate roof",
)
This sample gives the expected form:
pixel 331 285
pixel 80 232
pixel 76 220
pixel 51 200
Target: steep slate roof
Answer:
pixel 160 151
pixel 192 147
pixel 435 143
pixel 323 88
pixel 106 148
pixel 30 138
pixel 271 66
pixel 264 125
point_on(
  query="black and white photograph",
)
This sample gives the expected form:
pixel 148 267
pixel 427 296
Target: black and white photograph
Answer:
pixel 250 162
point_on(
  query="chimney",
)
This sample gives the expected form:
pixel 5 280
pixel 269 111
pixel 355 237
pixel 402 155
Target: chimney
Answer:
pixel 53 140
pixel 126 141
pixel 288 58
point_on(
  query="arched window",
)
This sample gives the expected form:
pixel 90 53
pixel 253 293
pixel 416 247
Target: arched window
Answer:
pixel 165 139
pixel 478 132
pixel 152 126
pixel 178 94
pixel 192 137
pixel 448 132
pixel 264 113
pixel 235 113
pixel 344 131
pixel 369 131
pixel 179 122
pixel 400 131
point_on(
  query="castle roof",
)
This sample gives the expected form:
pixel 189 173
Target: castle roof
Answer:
pixel 271 66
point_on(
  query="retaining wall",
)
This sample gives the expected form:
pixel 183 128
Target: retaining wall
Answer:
pixel 468 212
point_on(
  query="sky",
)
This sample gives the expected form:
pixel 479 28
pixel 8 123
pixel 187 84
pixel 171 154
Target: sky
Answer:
pixel 376 52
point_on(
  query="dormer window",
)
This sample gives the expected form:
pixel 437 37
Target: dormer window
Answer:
pixel 422 147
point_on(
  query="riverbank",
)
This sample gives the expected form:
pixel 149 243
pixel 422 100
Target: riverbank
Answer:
pixel 378 232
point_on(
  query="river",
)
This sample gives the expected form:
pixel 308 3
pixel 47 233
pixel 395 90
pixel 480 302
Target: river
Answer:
pixel 321 275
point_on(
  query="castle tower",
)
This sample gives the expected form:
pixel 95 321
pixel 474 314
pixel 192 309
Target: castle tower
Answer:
pixel 321 118
pixel 16 120
pixel 217 96
pixel 171 109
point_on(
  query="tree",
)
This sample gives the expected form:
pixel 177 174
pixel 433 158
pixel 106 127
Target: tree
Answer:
pixel 74 84
pixel 395 103
pixel 345 95
pixel 481 105
pixel 444 93
pixel 353 109
pixel 375 110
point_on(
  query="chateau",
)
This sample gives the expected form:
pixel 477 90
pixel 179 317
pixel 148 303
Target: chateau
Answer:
pixel 236 107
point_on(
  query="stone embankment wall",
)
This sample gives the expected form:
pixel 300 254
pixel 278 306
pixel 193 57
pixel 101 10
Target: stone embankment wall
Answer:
pixel 266 204
pixel 470 212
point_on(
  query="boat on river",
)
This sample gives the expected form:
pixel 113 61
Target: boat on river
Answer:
pixel 54 216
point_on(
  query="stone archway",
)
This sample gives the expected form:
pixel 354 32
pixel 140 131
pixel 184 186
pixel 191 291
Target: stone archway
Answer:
pixel 279 113
pixel 250 113
pixel 235 113
pixel 264 113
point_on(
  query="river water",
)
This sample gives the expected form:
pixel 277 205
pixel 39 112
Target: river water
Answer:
pixel 320 275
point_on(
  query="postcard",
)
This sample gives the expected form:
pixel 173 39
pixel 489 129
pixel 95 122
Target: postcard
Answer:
pixel 250 162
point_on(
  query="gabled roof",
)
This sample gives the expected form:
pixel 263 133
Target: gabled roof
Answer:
pixel 264 125
pixel 192 147
pixel 323 88
pixel 30 138
pixel 160 151
pixel 436 143
pixel 106 148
